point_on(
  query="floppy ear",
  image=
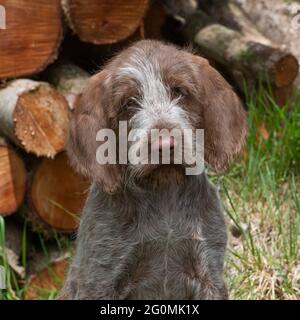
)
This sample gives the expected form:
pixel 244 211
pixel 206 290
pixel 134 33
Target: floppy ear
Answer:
pixel 223 117
pixel 93 113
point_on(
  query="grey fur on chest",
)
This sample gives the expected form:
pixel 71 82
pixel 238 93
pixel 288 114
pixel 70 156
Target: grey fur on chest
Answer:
pixel 164 244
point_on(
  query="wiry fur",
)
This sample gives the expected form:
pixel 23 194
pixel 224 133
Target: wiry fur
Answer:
pixel 166 244
pixel 151 232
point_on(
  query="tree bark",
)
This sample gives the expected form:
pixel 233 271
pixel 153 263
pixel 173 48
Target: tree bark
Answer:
pixel 12 181
pixel 105 21
pixel 55 197
pixel 278 20
pixel 32 36
pixel 253 59
pixel 34 116
pixel 231 16
pixel 245 59
pixel 69 80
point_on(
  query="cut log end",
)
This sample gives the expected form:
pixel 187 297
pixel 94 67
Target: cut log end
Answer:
pixel 104 22
pixel 32 38
pixel 252 59
pixel 41 121
pixel 12 182
pixel 285 70
pixel 283 95
pixel 56 196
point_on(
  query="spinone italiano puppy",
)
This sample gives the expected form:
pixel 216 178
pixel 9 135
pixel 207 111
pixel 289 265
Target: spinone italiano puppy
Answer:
pixel 152 231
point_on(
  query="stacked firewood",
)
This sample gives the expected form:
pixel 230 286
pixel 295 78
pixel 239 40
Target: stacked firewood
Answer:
pixel 50 48
pixel 36 100
pixel 40 86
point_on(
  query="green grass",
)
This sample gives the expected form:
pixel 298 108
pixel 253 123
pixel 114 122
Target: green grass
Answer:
pixel 9 277
pixel 42 249
pixel 260 196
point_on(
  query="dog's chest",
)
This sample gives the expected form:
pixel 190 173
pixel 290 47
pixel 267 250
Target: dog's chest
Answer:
pixel 160 246
pixel 167 220
pixel 170 248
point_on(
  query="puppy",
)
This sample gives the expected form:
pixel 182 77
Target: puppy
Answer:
pixel 151 231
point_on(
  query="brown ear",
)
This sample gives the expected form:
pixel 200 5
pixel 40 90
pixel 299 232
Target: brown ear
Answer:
pixel 92 114
pixel 223 117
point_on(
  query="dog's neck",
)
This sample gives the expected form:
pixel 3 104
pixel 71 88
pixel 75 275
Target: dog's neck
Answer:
pixel 156 191
pixel 159 210
pixel 162 179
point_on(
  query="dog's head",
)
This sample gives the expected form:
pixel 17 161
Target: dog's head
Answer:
pixel 155 86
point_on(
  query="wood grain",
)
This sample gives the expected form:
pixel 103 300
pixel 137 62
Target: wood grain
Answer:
pixel 12 181
pixel 34 116
pixel 56 195
pixel 105 21
pixel 31 38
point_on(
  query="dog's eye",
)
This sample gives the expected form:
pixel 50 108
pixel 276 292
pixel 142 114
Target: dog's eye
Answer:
pixel 178 92
pixel 128 103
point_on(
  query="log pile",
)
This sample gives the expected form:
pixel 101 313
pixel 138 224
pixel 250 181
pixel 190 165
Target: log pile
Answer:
pixel 223 32
pixel 278 20
pixel 48 52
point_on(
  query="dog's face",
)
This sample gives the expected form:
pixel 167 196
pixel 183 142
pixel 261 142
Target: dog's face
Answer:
pixel 156 86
